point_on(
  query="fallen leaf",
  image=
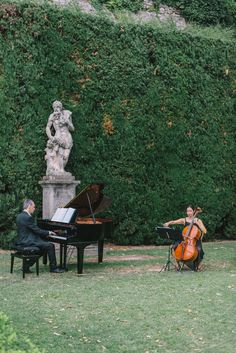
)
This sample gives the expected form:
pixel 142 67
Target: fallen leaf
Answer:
pixel 56 334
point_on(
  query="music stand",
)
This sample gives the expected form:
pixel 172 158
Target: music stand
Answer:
pixel 173 235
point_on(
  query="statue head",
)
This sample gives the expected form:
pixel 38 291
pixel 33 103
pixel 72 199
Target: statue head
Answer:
pixel 57 106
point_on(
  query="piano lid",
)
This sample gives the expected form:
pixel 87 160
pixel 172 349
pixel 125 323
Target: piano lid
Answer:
pixel 91 194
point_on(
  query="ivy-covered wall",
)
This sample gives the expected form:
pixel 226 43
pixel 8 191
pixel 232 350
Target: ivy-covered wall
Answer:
pixel 207 12
pixel 114 5
pixel 154 116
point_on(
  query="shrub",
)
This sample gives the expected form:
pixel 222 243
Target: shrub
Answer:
pixel 11 342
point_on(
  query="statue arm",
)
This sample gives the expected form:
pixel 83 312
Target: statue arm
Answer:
pixel 48 128
pixel 69 123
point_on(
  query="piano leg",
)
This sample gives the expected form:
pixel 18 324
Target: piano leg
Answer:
pixel 65 257
pixel 100 250
pixel 80 258
pixel 61 254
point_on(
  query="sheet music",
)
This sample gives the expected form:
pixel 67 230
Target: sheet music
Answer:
pixel 63 215
pixel 69 214
pixel 59 214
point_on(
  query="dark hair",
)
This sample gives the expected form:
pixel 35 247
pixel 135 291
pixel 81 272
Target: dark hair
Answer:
pixel 191 206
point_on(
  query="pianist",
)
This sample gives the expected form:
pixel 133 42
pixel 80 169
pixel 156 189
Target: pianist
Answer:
pixel 29 234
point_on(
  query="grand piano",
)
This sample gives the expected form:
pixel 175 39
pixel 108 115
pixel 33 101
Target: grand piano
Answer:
pixel 85 228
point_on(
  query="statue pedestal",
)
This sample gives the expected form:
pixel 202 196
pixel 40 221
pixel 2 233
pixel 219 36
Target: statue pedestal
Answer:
pixel 57 192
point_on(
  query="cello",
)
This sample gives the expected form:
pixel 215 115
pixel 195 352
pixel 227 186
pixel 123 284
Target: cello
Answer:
pixel 187 251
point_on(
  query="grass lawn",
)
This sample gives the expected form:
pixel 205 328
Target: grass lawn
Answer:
pixel 125 304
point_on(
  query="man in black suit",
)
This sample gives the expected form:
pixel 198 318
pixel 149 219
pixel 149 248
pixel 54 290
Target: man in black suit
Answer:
pixel 29 234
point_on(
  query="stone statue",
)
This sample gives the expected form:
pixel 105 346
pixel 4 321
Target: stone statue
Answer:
pixel 59 141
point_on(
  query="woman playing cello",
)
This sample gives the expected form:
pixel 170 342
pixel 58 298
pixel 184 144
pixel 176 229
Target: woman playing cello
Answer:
pixel 191 219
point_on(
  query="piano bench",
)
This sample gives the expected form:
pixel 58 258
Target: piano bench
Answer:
pixel 26 254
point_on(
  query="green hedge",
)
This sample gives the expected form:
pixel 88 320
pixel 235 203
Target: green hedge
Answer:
pixel 10 342
pixel 154 116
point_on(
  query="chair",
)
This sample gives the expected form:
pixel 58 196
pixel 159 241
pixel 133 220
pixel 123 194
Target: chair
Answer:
pixel 26 253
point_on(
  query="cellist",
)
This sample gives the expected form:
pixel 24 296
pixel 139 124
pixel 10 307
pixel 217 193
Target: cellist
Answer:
pixel 187 221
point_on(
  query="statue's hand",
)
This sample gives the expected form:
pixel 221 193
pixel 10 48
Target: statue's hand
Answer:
pixel 54 140
pixel 56 116
pixel 64 121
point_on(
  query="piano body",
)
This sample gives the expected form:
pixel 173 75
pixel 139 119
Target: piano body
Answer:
pixel 86 229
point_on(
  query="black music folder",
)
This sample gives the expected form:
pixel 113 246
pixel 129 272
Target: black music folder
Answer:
pixel 167 233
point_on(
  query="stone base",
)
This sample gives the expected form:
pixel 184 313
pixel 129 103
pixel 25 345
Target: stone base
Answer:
pixel 57 193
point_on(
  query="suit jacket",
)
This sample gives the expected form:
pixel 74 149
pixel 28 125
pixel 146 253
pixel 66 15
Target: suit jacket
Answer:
pixel 29 234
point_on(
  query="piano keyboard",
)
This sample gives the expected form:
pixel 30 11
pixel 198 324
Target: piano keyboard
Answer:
pixel 58 237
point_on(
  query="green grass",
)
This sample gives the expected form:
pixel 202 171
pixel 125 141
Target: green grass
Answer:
pixel 126 306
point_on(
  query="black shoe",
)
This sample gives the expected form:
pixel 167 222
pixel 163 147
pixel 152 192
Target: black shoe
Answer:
pixel 57 270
